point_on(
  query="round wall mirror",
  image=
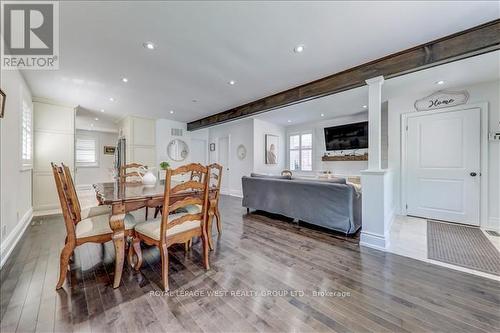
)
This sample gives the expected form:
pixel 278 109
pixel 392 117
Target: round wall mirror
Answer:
pixel 177 150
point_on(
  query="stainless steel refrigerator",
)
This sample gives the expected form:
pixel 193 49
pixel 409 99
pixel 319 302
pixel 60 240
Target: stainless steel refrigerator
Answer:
pixel 120 157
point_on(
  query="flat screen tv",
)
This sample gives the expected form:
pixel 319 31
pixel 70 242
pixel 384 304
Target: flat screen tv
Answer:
pixel 345 137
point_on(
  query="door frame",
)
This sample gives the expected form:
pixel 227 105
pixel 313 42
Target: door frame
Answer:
pixel 484 151
pixel 217 150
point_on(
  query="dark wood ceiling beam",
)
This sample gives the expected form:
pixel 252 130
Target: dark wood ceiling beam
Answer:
pixel 478 40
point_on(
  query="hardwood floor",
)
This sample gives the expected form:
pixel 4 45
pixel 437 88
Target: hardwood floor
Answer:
pixel 256 255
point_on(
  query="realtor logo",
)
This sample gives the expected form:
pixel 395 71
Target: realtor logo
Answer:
pixel 30 38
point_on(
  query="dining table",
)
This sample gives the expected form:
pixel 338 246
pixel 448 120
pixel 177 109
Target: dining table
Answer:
pixel 125 197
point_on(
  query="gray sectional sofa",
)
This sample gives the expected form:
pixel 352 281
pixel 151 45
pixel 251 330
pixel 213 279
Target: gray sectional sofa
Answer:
pixel 330 204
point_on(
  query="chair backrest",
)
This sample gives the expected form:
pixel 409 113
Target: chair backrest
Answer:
pixel 73 197
pixel 171 205
pixel 286 173
pixel 69 218
pixel 215 175
pixel 133 176
pixel 196 176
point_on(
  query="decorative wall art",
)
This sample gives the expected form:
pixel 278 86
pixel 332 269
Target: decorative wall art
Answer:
pixel 272 149
pixel 442 99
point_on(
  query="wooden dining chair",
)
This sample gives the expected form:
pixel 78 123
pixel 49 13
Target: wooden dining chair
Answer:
pixel 94 229
pixel 215 175
pixel 175 228
pixel 214 183
pixel 131 176
pixel 132 173
pixel 86 212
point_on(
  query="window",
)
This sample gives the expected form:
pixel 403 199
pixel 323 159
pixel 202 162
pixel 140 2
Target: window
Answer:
pixel 300 151
pixel 26 135
pixel 86 152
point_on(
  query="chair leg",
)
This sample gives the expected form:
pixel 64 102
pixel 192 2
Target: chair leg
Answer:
pixel 164 266
pixel 135 248
pixel 146 213
pixel 63 263
pixel 204 239
pixel 217 215
pixel 157 211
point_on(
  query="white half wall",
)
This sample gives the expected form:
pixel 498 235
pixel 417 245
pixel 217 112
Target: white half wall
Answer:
pixel 15 183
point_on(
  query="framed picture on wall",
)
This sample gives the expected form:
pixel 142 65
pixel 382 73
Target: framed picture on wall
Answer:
pixel 109 150
pixel 2 103
pixel 272 149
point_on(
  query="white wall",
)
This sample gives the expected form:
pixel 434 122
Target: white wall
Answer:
pixel 163 138
pixel 15 193
pixel 484 92
pixel 240 132
pixel 260 129
pixel 54 141
pixel 337 167
pixel 104 171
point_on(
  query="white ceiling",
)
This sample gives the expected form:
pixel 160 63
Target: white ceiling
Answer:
pixel 470 71
pixel 203 45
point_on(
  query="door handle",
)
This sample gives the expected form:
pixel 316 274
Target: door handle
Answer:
pixel 473 174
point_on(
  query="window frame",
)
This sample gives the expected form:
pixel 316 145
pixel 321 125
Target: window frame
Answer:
pixel 96 151
pixel 300 149
pixel 26 133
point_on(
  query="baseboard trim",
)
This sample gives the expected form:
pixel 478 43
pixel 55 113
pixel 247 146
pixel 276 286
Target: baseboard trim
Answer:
pixel 232 193
pixel 47 212
pixel 493 224
pixel 375 241
pixel 13 238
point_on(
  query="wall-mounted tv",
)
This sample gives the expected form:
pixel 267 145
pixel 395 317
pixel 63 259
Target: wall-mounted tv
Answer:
pixel 344 137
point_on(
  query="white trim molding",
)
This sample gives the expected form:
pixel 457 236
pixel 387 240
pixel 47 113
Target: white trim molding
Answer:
pixel 10 242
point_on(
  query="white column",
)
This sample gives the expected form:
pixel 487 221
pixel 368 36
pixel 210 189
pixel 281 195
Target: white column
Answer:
pixel 374 122
pixel 377 210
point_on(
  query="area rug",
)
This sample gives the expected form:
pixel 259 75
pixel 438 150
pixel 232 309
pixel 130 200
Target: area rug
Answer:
pixel 462 246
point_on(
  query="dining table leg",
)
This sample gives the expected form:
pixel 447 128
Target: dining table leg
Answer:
pixel 117 224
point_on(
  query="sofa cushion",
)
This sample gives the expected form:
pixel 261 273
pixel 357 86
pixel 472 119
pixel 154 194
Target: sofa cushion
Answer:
pixel 258 175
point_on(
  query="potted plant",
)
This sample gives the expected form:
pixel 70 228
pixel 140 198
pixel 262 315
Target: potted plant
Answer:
pixel 164 165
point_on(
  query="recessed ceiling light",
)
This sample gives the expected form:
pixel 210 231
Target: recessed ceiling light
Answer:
pixel 298 48
pixel 111 99
pixel 149 45
pixel 91 125
pixel 322 115
pixel 124 79
pixel 96 119
pixel 440 82
pixel 365 106
pixel 289 121
pixel 171 111
pixel 102 110
pixel 232 82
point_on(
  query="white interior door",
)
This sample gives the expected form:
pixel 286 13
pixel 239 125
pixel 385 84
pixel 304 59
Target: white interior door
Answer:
pixel 443 166
pixel 199 151
pixel 223 159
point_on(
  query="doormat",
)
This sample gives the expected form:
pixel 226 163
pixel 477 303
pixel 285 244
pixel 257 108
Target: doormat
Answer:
pixel 462 246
